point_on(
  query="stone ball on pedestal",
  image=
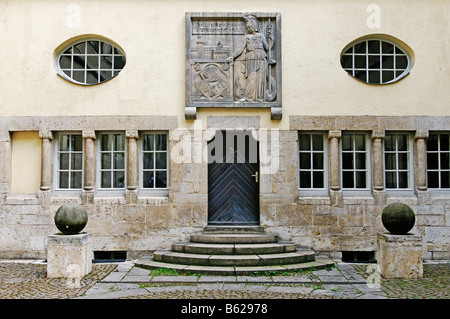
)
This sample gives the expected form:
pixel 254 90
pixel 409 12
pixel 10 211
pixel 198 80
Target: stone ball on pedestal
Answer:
pixel 398 218
pixel 70 219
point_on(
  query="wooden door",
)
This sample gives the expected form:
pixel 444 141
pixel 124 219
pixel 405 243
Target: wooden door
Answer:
pixel 233 185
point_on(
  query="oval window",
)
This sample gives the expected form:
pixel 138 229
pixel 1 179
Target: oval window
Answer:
pixel 90 61
pixel 376 61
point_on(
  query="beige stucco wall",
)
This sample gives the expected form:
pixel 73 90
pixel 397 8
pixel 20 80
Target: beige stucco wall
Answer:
pixel 152 36
pixel 25 162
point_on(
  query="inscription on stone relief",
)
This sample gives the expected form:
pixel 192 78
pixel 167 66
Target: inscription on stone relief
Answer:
pixel 233 60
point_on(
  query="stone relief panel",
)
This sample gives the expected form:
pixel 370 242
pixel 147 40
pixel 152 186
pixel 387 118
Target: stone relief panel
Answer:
pixel 233 60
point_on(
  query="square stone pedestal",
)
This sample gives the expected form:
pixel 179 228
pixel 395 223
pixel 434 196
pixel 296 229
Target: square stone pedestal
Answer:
pixel 400 256
pixel 69 256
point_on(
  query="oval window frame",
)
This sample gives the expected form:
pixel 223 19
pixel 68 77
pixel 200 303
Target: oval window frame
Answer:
pixel 407 52
pixel 61 49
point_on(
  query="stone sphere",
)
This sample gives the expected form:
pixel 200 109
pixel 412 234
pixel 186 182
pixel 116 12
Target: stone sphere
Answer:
pixel 70 219
pixel 398 218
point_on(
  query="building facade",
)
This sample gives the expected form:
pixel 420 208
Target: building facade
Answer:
pixel 340 108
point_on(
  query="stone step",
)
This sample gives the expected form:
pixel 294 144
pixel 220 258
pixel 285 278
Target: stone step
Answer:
pixel 233 238
pixel 233 229
pixel 233 249
pixel 150 263
pixel 173 257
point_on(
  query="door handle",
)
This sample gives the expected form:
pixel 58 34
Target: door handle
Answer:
pixel 256 176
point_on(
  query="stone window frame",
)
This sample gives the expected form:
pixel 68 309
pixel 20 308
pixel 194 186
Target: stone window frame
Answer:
pixel 57 189
pixel 410 163
pixel 99 170
pixel 439 169
pixel 314 191
pixel 368 162
pixel 153 191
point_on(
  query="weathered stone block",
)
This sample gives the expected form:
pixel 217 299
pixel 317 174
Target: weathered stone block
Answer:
pixel 69 255
pixel 400 256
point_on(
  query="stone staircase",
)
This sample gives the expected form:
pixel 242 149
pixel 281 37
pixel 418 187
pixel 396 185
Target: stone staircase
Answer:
pixel 233 250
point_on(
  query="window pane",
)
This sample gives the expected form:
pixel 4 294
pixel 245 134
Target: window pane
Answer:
pixel 64 143
pixel 91 77
pixel 445 161
pixel 105 143
pixel 432 161
pixel 401 62
pixel 75 180
pixel 64 161
pixel 361 75
pixel 106 179
pixel 65 62
pixel 374 77
pixel 347 180
pixel 445 180
pixel 93 47
pixel 304 142
pixel 390 161
pixel 317 142
pixel 374 61
pixel 374 46
pixel 105 48
pixel 387 47
pixel 148 180
pixel 360 160
pixel 161 160
pixel 432 142
pixel 79 62
pixel 360 61
pixel 63 179
pixel 77 143
pixel 119 62
pixel 105 75
pixel 347 61
pixel 402 160
pixel 402 142
pixel 403 180
pixel 119 161
pixel 360 143
pixel 318 180
pixel 161 179
pixel 78 76
pixel 148 142
pixel 444 142
pixel 305 160
pixel 119 179
pixel 76 161
pixel 148 161
pixel 360 47
pixel 433 179
pixel 106 161
pixel 119 142
pixel 347 142
pixel 106 62
pixel 305 179
pixel 318 160
pixel 388 62
pixel 389 143
pixel 388 76
pixel 161 142
pixel 92 62
pixel 391 180
pixel 80 48
pixel 347 161
pixel 360 179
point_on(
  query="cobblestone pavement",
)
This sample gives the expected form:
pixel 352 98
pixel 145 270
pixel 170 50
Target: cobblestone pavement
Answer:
pixel 27 280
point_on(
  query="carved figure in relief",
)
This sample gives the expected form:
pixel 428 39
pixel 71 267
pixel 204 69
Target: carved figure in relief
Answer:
pixel 251 65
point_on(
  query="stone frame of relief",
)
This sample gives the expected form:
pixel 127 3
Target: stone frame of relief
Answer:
pixel 233 60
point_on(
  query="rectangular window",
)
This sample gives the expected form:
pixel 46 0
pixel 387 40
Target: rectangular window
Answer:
pixel 397 161
pixel 154 162
pixel 69 154
pixel 355 161
pixel 112 161
pixel 438 161
pixel 312 161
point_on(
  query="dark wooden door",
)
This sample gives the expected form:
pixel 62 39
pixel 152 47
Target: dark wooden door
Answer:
pixel 233 185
